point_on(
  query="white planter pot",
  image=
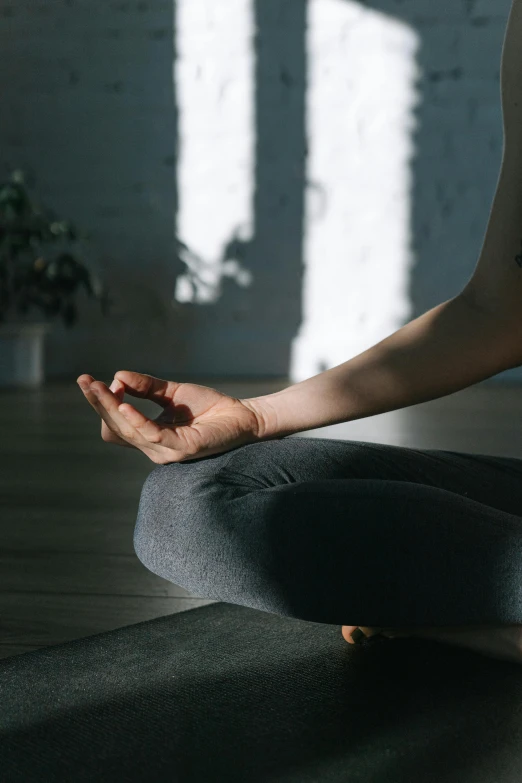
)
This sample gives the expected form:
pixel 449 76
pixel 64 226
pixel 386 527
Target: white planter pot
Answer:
pixel 22 354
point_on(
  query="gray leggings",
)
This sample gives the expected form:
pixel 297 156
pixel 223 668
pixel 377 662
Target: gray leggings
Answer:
pixel 341 532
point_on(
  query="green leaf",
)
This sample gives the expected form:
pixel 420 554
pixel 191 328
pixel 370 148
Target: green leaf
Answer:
pixel 30 276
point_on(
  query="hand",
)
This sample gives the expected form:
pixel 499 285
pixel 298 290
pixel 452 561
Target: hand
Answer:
pixel 196 421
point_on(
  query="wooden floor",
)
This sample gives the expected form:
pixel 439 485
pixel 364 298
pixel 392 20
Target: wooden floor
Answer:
pixel 68 502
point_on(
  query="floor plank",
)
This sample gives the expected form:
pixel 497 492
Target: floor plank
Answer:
pixel 51 528
pixel 81 573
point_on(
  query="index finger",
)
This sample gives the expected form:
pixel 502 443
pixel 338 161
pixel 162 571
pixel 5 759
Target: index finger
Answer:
pixel 108 425
pixel 139 384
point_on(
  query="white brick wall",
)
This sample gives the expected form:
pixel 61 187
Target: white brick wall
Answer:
pixel 89 110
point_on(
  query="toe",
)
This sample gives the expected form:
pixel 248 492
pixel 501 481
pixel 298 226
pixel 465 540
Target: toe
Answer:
pixel 354 634
pixel 347 631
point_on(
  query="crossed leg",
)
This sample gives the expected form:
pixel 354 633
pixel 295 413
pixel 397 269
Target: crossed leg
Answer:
pixel 418 542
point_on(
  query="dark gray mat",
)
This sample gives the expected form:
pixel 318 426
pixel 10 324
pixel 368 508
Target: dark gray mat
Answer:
pixel 225 693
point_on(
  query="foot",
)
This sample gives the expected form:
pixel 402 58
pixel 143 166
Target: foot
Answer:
pixel 500 641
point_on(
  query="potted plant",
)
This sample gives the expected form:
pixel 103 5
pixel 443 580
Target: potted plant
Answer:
pixel 40 275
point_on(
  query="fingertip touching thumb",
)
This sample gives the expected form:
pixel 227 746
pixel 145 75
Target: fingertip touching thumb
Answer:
pixel 117 388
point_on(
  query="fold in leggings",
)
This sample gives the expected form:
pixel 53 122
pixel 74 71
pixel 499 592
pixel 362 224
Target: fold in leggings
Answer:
pixel 341 532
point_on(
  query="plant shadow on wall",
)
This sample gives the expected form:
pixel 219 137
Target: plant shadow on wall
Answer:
pixel 252 285
pixel 202 278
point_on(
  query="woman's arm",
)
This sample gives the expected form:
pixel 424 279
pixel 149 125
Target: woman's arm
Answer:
pixel 450 347
pixel 467 339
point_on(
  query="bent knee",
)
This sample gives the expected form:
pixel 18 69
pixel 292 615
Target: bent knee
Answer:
pixel 178 502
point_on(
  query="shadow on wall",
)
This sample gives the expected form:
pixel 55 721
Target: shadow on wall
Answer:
pixel 300 184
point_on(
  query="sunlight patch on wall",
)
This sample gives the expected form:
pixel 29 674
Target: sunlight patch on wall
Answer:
pixel 361 97
pixel 214 74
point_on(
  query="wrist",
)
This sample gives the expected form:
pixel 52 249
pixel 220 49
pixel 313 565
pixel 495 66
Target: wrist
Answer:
pixel 265 417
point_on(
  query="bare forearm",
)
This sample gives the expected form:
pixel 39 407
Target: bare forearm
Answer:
pixel 447 349
pixel 462 341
